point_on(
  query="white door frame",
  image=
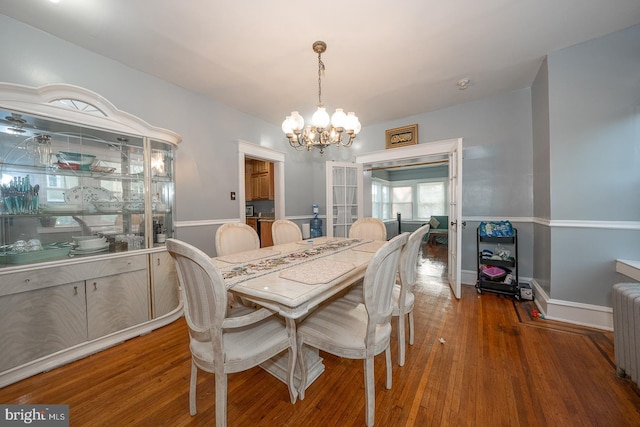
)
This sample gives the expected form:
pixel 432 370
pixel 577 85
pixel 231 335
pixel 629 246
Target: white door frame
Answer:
pixel 256 151
pixel 410 153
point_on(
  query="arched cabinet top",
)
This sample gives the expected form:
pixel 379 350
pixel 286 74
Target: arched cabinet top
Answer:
pixel 74 104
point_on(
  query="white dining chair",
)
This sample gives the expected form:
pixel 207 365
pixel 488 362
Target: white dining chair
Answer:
pixel 231 238
pixel 223 340
pixel 403 297
pixel 368 228
pixel 234 237
pixel 285 231
pixel 359 331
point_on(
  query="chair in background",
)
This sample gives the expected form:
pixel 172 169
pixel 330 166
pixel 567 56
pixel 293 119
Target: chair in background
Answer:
pixel 234 237
pixel 224 341
pixel 285 231
pixel 403 296
pixel 359 331
pixel 368 228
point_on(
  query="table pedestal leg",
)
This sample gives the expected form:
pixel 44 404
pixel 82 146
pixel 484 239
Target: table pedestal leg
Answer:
pixel 277 366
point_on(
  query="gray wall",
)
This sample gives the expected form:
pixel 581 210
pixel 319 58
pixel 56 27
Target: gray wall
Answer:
pixel 541 185
pixel 497 165
pixel 594 168
pixel 590 137
pixel 207 159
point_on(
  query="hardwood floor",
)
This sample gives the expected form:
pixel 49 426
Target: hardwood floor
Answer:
pixel 497 366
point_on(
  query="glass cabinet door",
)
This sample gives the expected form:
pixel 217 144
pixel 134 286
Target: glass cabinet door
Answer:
pixel 69 190
pixel 162 191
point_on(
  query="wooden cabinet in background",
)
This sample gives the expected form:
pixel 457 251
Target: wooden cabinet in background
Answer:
pixel 258 180
pixel 253 223
pixel 265 233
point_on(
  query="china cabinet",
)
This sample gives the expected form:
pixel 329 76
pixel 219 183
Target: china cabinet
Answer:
pixel 87 202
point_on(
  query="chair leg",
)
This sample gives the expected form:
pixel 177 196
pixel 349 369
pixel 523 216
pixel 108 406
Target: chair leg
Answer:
pixel 221 399
pixel 192 389
pixel 369 389
pixel 303 368
pixel 401 342
pixel 387 354
pixel 411 327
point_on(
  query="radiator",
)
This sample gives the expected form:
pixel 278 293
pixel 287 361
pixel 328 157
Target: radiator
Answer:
pixel 626 329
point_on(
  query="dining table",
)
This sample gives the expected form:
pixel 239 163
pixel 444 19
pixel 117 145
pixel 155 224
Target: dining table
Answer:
pixel 292 279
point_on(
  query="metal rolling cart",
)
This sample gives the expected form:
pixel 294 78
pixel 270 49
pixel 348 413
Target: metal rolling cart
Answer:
pixel 497 246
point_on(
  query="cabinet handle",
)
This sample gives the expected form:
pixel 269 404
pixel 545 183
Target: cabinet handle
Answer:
pixel 75 290
pixel 95 286
pixel 158 261
pixel 27 280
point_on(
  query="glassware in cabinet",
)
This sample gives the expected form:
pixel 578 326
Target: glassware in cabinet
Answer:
pixel 62 179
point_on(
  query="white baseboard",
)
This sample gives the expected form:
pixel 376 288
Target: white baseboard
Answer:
pixel 593 316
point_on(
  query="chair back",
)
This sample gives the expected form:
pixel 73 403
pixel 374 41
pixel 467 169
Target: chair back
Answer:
pixel 408 257
pixel 203 291
pixel 285 231
pixel 379 280
pixel 234 237
pixel 368 228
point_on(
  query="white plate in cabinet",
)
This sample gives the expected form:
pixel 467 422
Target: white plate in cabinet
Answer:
pixel 41 322
pixel 116 302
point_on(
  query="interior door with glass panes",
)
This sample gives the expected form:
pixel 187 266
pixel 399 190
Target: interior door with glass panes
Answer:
pixel 455 218
pixel 344 197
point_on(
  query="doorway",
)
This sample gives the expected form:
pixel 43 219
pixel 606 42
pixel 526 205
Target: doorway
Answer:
pixel 447 150
pixel 247 150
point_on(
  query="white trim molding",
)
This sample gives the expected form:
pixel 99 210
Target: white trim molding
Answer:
pixel 204 223
pixel 609 225
pixel 555 223
pixel 592 316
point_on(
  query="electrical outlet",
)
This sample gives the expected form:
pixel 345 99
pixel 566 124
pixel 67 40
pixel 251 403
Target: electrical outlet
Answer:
pixel 233 195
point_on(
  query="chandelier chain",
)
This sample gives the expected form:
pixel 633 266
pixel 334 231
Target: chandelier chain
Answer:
pixel 320 70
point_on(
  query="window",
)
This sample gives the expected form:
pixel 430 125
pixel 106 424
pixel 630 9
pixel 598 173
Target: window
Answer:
pixel 431 199
pixel 413 199
pixel 380 198
pixel 402 198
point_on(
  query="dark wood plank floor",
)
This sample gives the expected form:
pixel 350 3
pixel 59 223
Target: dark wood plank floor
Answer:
pixel 497 366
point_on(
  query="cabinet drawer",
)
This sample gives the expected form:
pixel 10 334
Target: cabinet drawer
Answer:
pixel 38 278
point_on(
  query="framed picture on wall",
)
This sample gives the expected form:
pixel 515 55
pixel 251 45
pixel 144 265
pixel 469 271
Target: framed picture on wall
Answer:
pixel 403 136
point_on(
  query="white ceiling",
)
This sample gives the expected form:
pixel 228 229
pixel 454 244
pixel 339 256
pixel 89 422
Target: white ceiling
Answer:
pixel 385 60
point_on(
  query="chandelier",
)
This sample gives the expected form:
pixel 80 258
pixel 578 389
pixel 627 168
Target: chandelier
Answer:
pixel 322 132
